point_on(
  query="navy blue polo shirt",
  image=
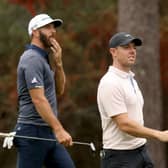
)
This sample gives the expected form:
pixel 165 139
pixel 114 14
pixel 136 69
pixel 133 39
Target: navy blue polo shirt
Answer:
pixel 34 72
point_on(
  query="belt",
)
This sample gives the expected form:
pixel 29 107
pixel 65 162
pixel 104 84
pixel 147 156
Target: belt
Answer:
pixel 104 152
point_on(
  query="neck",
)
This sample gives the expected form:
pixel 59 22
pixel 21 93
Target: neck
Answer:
pixel 40 45
pixel 37 43
pixel 122 68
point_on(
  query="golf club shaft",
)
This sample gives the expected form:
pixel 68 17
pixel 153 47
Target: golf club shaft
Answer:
pixel 43 139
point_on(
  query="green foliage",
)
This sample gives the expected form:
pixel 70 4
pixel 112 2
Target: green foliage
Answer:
pixel 12 35
pixel 13 29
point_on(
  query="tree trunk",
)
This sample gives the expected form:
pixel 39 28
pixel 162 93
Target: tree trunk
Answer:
pixel 141 18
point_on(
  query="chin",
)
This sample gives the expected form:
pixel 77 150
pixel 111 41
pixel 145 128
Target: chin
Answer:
pixel 131 62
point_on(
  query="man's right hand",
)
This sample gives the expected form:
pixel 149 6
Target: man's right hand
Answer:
pixel 63 137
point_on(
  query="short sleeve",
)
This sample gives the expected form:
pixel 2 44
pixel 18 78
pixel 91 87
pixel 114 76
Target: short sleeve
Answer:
pixel 34 73
pixel 111 96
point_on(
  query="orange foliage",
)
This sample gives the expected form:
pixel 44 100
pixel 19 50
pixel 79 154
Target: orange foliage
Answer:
pixel 30 5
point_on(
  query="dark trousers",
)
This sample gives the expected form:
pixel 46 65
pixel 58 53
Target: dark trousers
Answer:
pixel 38 153
pixel 137 158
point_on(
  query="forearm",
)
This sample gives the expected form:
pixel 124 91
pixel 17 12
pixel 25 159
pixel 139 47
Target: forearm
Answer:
pixel 135 129
pixel 59 71
pixel 44 109
pixel 60 80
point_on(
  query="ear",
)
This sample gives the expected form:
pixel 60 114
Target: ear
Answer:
pixel 112 51
pixel 35 33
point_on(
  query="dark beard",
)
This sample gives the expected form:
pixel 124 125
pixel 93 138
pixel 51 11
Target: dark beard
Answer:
pixel 44 40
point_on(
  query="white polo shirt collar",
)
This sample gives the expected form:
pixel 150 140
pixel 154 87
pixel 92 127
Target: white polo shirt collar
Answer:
pixel 120 73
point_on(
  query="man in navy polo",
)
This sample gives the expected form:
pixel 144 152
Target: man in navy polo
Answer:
pixel 37 99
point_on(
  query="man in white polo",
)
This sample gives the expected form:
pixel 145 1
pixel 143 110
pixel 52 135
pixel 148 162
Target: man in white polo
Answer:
pixel 120 104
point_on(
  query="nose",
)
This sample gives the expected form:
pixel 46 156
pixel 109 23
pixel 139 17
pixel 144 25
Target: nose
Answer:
pixel 132 51
pixel 54 30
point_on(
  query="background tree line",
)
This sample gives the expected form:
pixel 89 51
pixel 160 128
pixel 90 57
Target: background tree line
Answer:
pixel 84 38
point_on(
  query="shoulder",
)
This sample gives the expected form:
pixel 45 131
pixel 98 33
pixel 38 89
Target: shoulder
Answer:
pixel 110 84
pixel 109 79
pixel 31 56
pixel 31 59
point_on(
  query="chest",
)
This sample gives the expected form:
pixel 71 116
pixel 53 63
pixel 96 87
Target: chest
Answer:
pixel 48 75
pixel 132 93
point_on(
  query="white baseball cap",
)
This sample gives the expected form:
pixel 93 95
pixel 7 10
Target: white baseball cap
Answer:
pixel 42 20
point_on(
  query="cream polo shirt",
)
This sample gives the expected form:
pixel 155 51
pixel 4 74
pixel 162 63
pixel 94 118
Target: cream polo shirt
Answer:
pixel 117 94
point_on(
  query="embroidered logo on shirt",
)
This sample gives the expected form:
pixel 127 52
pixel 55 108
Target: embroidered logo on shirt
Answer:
pixel 34 80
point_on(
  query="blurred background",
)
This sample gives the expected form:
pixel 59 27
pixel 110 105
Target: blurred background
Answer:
pixel 84 36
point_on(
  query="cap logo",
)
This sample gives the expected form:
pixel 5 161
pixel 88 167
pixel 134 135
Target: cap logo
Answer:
pixel 127 35
pixel 45 18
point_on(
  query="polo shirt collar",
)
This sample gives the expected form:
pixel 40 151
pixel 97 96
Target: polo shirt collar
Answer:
pixel 41 51
pixel 121 73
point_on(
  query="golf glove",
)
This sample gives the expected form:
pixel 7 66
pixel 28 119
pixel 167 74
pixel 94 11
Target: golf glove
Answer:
pixel 8 141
